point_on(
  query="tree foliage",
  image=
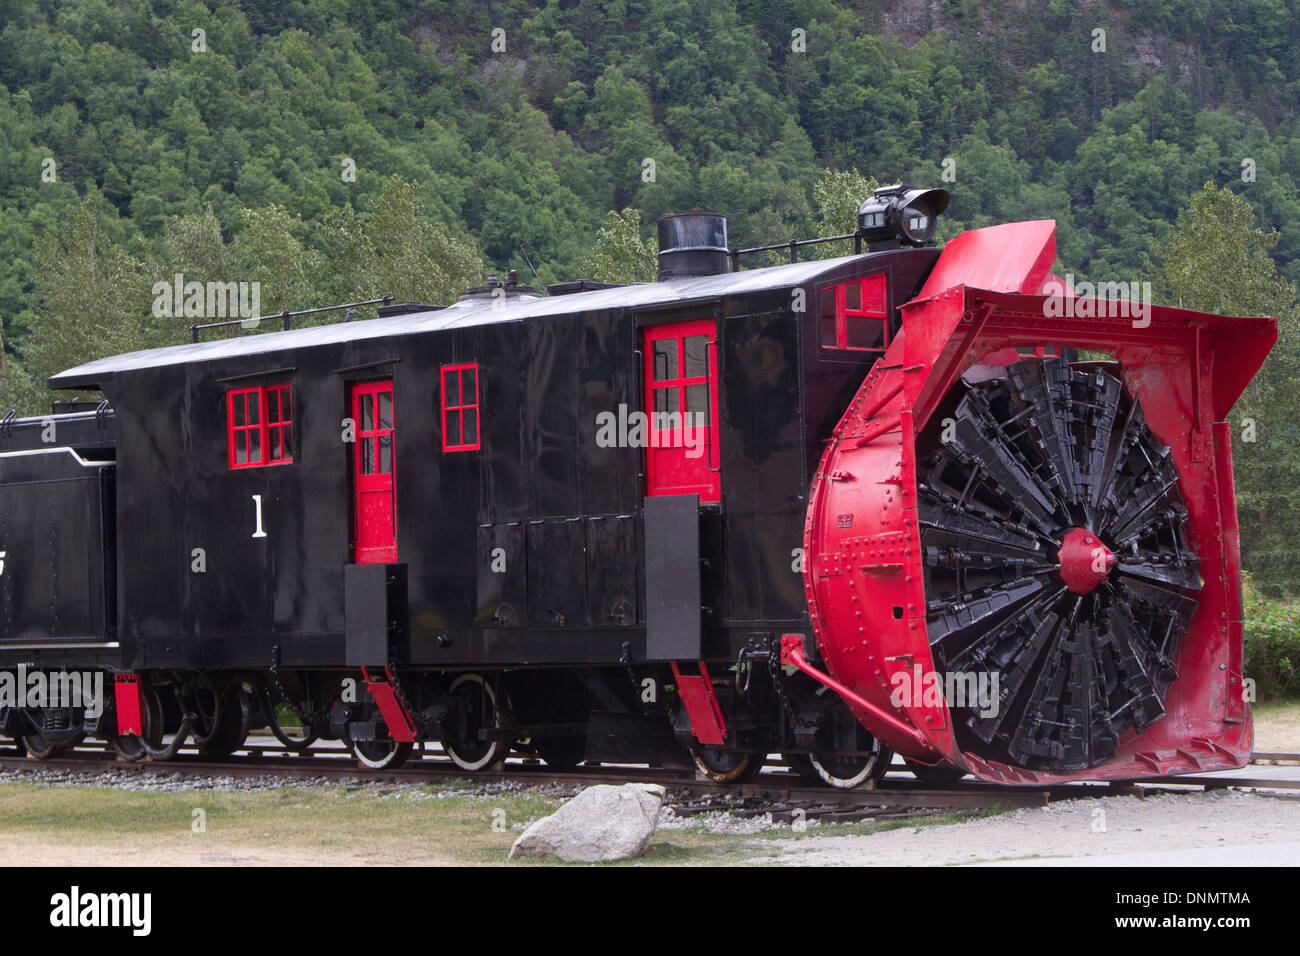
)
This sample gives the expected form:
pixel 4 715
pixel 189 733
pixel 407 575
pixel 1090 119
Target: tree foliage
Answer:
pixel 345 150
pixel 619 254
pixel 1217 260
pixel 93 297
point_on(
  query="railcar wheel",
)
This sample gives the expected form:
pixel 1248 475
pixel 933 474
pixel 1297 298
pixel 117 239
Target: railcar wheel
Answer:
pixel 53 732
pixel 940 775
pixel 129 747
pixel 231 724
pixel 727 766
pixel 296 744
pixel 156 714
pixel 869 761
pixel 480 710
pixel 802 765
pixel 380 754
pixel 562 753
pixel 38 748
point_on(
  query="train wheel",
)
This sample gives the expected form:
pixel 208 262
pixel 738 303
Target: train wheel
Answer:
pixel 129 746
pixel 380 754
pixel 155 714
pixel 940 775
pixel 480 709
pixel 231 719
pixel 727 766
pixel 52 732
pixel 869 762
pixel 802 765
pixel 562 753
pixel 38 748
pixel 296 744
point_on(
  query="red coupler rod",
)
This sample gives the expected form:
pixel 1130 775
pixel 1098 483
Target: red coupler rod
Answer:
pixel 792 653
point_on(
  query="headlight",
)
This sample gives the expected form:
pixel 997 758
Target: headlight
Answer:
pixel 901 214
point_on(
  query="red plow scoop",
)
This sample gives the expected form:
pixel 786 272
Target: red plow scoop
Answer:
pixel 1027 567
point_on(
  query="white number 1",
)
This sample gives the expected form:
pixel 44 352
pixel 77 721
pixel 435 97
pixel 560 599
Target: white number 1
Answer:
pixel 2 561
pixel 259 533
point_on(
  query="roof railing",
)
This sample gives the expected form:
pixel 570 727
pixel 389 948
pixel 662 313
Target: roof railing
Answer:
pixel 283 316
pixel 792 247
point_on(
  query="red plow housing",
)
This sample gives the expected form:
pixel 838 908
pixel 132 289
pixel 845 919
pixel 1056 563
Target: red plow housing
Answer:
pixel 1030 568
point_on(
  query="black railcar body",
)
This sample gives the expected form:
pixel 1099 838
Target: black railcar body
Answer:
pixel 699 520
pixel 565 512
pixel 528 550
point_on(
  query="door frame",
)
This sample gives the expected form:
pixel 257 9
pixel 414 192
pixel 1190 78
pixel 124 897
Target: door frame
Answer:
pixel 355 390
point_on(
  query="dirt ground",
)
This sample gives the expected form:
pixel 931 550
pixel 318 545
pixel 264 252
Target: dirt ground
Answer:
pixel 214 850
pixel 1277 728
pixel 1219 827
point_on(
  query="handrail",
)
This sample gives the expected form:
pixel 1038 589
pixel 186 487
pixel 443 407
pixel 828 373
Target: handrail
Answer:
pixel 793 247
pixel 285 316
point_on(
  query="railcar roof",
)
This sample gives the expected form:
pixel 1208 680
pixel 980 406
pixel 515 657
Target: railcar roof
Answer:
pixel 459 315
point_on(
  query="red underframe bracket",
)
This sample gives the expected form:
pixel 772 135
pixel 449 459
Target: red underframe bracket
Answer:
pixel 401 726
pixel 126 697
pixel 701 706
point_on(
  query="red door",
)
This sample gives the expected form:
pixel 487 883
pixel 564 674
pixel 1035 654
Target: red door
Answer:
pixel 681 403
pixel 373 468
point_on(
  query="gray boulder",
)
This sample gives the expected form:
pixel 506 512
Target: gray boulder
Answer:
pixel 601 823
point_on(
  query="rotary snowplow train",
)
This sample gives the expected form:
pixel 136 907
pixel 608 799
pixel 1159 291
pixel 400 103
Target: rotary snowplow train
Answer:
pixel 894 501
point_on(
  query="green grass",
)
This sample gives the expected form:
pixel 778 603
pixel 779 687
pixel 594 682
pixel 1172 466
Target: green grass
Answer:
pixel 332 825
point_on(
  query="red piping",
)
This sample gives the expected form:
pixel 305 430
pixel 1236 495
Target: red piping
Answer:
pixel 792 653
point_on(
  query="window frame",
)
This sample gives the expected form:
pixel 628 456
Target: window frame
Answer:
pixel 460 409
pixel 283 394
pixel 843 314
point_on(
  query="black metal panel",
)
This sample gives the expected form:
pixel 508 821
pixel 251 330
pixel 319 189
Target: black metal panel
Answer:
pixel 90 429
pixel 545 374
pixel 672 577
pixel 613 558
pixel 56 535
pixel 375 614
pixel 607 476
pixel 557 573
pixel 502 563
pixel 615 738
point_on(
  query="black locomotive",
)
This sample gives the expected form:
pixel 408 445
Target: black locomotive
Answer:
pixel 568 524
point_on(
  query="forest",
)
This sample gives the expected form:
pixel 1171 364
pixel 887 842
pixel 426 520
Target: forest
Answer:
pixel 339 150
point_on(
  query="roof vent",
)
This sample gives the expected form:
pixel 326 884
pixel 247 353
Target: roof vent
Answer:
pixel 508 291
pixel 692 244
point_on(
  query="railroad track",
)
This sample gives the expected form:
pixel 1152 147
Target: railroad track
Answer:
pixel 777 790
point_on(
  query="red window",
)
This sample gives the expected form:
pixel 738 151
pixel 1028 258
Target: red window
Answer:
pixel 260 424
pixel 855 315
pixel 460 422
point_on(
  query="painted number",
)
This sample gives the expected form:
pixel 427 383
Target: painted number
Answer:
pixel 257 503
pixel 2 561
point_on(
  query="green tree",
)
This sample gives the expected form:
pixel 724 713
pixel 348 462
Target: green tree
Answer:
pixel 398 250
pixel 195 247
pixel 838 195
pixel 1216 259
pixel 619 254
pixel 94 297
pixel 268 251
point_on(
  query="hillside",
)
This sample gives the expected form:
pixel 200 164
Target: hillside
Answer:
pixel 340 150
